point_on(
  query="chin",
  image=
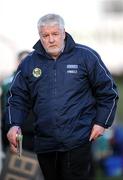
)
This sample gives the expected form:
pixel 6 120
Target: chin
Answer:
pixel 55 51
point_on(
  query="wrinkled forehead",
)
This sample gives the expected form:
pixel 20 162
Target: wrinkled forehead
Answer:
pixel 50 28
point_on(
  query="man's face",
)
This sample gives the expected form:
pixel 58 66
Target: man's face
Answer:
pixel 52 39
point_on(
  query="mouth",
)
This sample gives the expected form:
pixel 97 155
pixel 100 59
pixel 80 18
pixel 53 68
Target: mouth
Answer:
pixel 52 46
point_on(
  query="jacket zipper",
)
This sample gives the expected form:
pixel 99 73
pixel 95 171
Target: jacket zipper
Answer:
pixel 55 79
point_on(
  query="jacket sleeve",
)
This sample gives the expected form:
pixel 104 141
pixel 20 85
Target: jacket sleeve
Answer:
pixel 18 101
pixel 104 90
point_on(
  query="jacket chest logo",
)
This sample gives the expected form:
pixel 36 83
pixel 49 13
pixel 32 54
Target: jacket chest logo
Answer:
pixel 37 72
pixel 72 68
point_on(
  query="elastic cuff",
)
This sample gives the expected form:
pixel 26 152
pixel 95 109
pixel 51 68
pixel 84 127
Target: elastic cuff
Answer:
pixel 103 125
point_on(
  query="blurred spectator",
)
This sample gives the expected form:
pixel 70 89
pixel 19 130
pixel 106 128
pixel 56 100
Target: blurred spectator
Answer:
pixel 102 149
pixel 108 152
pixel 27 129
pixel 117 141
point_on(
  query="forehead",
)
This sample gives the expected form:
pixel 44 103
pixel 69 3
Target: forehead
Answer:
pixel 49 29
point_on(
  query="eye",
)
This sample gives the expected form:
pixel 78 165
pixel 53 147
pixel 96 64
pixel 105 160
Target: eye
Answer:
pixel 45 35
pixel 55 34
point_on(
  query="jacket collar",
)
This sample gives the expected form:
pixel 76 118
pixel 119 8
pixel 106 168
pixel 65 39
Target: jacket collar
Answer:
pixel 69 45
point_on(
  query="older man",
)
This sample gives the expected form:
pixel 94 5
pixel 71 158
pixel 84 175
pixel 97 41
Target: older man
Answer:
pixel 73 97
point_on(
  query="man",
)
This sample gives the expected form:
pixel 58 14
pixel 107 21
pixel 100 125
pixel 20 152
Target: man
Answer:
pixel 72 95
pixel 27 128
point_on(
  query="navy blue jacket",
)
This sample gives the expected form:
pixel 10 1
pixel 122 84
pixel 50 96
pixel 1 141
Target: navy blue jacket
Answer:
pixel 68 96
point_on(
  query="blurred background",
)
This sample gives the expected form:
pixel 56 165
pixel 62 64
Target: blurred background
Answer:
pixel 95 23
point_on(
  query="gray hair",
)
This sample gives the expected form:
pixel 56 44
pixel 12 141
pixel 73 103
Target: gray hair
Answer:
pixel 50 19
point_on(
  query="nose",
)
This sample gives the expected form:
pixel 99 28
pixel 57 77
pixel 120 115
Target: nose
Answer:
pixel 51 39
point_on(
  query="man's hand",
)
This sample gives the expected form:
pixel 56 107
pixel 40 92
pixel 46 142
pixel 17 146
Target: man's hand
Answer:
pixel 96 132
pixel 11 135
